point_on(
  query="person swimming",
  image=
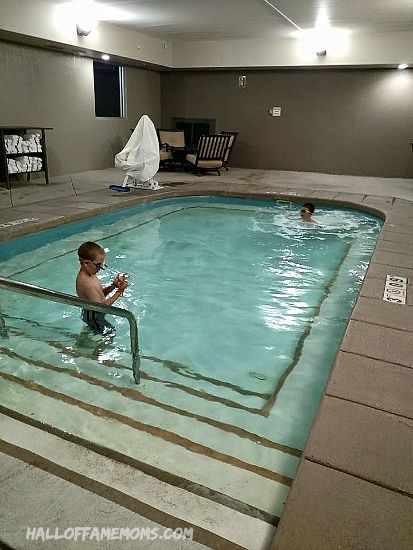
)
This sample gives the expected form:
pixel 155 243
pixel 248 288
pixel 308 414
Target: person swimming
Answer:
pixel 88 286
pixel 307 211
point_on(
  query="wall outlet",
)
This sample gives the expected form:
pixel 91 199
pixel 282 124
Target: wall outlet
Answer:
pixel 242 81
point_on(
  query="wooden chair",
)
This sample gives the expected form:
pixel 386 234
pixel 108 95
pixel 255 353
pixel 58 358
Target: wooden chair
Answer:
pixel 172 146
pixel 233 136
pixel 210 154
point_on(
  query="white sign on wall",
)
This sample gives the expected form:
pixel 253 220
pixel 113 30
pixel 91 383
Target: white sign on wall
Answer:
pixel 395 289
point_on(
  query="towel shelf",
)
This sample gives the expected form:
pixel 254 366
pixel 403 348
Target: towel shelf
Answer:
pixel 15 134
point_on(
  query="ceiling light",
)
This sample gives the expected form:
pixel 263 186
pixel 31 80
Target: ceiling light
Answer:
pixel 105 57
pixel 403 66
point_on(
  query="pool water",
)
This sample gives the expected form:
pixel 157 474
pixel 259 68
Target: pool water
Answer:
pixel 241 307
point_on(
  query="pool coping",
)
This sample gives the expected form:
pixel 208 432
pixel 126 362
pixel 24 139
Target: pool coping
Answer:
pixel 365 412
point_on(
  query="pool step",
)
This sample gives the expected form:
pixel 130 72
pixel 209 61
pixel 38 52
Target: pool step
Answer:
pixel 214 524
pixel 185 449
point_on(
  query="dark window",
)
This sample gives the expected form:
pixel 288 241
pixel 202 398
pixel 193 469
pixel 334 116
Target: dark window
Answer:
pixel 109 89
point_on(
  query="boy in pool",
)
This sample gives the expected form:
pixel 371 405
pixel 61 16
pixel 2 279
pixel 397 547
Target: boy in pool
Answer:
pixel 88 286
pixel 306 212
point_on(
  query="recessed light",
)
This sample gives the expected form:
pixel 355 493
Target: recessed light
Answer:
pixel 105 57
pixel 403 66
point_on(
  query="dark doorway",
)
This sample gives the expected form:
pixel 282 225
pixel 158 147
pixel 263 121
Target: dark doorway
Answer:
pixel 194 128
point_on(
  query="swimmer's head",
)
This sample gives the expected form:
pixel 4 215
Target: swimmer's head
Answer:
pixel 307 210
pixel 91 256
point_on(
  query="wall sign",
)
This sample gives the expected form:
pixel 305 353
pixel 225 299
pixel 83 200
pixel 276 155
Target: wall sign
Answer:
pixel 395 289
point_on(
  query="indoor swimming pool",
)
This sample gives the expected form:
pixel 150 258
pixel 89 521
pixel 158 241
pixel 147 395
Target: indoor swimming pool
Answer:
pixel 241 307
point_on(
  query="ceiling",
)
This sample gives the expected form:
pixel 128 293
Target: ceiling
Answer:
pixel 182 20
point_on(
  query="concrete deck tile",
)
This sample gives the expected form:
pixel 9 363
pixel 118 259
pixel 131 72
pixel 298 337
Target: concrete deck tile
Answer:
pixel 371 444
pixel 300 191
pixel 385 344
pixel 392 236
pixel 381 385
pixel 71 203
pixel 18 216
pixel 63 210
pixel 393 259
pixel 5 198
pixel 386 314
pixel 400 248
pixel 350 197
pixel 322 194
pixel 105 197
pixel 398 227
pixel 375 199
pixel 330 510
pixel 9 214
pixel 403 202
pixel 395 217
pixel 382 270
pixel 373 288
pixel 37 192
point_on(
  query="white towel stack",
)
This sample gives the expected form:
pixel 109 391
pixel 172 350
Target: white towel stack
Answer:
pixel 29 143
pixel 24 164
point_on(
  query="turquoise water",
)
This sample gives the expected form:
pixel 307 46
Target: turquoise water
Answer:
pixel 241 307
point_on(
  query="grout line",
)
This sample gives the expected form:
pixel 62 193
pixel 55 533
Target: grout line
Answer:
pixel 404 331
pixel 73 187
pixel 374 359
pixel 376 298
pixel 367 405
pixel 363 478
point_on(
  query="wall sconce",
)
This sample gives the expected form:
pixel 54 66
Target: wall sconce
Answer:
pixel 321 53
pixel 83 30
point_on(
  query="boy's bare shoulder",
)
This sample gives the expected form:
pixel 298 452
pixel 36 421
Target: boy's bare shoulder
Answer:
pixel 83 282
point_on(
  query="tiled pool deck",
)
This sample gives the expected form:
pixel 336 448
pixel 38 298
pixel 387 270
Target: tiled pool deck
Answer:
pixel 354 487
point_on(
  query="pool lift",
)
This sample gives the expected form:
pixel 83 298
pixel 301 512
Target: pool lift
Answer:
pixel 139 158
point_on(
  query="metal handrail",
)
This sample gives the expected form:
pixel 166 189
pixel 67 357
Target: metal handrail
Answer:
pixel 60 297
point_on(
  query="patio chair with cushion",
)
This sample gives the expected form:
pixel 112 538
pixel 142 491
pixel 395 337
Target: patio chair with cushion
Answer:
pixel 210 154
pixel 172 146
pixel 233 136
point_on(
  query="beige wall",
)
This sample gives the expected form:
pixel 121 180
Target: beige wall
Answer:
pixel 46 88
pixel 356 122
pixel 333 121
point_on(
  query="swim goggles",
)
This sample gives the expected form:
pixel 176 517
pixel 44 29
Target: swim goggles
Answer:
pixel 98 265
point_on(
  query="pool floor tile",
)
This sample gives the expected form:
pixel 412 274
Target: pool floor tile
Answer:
pixel 381 385
pixel 331 510
pixel 371 444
